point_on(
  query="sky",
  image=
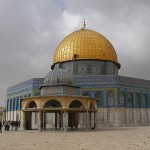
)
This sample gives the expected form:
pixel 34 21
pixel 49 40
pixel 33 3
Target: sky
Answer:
pixel 30 31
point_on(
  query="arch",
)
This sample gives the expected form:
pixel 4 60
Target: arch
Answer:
pixel 110 98
pixel 17 103
pixel 32 104
pixel 8 106
pixel 20 106
pixel 11 104
pixel 92 105
pixel 144 100
pixel 130 100
pixel 14 104
pixel 52 104
pixel 98 95
pixel 75 104
pixel 137 99
pixel 122 97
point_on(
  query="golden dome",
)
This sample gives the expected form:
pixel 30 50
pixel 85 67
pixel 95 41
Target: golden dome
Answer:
pixel 85 44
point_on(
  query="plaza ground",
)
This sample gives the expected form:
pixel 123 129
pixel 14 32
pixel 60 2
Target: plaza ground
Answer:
pixel 120 138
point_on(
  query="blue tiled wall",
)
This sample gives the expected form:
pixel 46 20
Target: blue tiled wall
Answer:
pixel 21 90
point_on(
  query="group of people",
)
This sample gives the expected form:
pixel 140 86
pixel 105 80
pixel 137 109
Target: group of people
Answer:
pixel 10 125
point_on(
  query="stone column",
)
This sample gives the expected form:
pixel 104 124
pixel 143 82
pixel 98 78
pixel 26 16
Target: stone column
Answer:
pixel 65 120
pixel 61 120
pixel 56 121
pixel 87 120
pixel 14 109
pixel 40 121
pixel 23 121
pixel 90 120
pixel 44 121
pixel 95 120
pixel 9 112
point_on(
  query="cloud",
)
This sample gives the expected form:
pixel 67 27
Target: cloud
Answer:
pixel 27 40
pixel 126 25
pixel 31 30
pixel 70 22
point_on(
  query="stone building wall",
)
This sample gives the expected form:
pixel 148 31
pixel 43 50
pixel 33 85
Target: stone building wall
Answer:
pixel 122 117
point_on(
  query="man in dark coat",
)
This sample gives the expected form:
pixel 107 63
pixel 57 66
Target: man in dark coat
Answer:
pixel 0 127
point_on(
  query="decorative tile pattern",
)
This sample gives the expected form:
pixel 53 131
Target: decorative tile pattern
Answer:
pixel 23 89
pixel 91 67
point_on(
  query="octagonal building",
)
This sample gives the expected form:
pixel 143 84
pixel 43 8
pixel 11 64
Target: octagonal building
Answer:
pixel 83 89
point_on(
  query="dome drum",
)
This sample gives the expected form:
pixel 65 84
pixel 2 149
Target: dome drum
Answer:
pixel 90 67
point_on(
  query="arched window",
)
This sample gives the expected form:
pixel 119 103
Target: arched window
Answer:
pixel 8 104
pixel 75 104
pixel 11 104
pixel 137 99
pixel 144 100
pixel 20 102
pixel 122 95
pixel 110 98
pixel 17 103
pixel 14 104
pixel 99 96
pixel 130 100
pixel 52 104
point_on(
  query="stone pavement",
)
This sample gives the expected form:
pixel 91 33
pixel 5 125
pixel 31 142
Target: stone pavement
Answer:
pixel 120 138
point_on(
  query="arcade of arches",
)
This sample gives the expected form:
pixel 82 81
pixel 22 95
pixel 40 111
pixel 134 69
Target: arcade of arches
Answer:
pixel 66 111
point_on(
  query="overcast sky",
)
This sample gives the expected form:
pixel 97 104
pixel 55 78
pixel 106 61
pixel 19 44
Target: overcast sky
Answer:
pixel 30 31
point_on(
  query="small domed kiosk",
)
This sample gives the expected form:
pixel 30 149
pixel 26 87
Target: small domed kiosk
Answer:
pixel 61 100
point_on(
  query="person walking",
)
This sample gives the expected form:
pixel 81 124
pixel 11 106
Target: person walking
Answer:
pixel 0 127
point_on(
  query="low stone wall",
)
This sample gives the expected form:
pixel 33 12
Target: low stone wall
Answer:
pixel 123 117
